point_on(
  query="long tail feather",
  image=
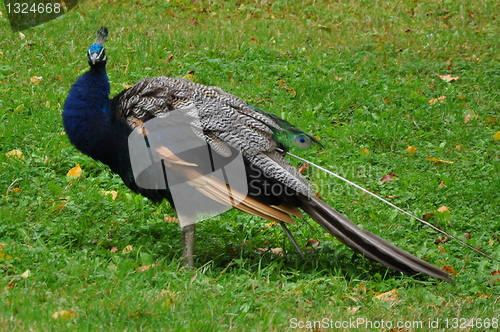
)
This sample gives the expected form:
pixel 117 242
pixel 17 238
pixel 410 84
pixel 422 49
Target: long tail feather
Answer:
pixel 366 243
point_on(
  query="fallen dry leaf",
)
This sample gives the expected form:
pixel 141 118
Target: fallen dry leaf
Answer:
pixel 9 286
pixel 35 80
pixel 126 86
pixel 353 309
pixel 4 256
pixel 442 250
pixel 312 243
pixel 467 118
pixel 443 209
pixel 128 248
pixel 491 120
pixel 144 267
pixel 277 251
pixel 442 239
pixel 469 114
pixel 283 84
pixel 113 193
pixel 388 177
pixel 64 314
pixel 26 274
pixel 274 251
pixel 364 151
pixel 427 216
pixel 448 78
pixel 436 160
pixel 14 154
pixel 113 249
pixel 497 135
pixel 435 100
pixel 483 296
pixel 171 220
pixel 75 171
pixel 61 205
pixel 411 150
pixel 450 270
pixel 303 168
pixel 388 296
pixel 467 236
pixel 190 76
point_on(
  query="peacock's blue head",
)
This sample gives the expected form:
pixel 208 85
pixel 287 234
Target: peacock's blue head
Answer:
pixel 96 55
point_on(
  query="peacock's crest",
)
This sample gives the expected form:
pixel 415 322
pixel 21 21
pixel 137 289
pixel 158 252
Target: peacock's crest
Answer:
pixel 102 35
pixel 96 53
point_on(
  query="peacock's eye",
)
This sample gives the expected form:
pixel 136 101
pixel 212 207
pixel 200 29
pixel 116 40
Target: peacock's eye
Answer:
pixel 303 141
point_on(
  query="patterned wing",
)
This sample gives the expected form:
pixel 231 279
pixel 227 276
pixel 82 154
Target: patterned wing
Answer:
pixel 223 120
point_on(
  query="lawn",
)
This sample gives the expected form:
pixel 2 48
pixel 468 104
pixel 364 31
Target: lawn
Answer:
pixel 405 91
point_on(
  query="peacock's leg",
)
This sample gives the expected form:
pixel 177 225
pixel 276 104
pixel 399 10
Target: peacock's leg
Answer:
pixel 188 245
pixel 292 239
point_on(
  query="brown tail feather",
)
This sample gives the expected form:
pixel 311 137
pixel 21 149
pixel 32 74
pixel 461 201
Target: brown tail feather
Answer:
pixel 366 243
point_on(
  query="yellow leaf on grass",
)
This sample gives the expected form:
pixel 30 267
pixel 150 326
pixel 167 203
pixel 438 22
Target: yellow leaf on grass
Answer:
pixel 128 248
pixel 190 76
pixel 491 120
pixel 411 150
pixel 4 256
pixel 35 80
pixel 435 100
pixel 64 314
pixel 364 151
pixel 497 135
pixel 388 296
pixel 144 267
pixel 439 160
pixel 113 193
pixel 126 86
pixel 26 274
pixel 14 154
pixel 75 171
pixel 448 78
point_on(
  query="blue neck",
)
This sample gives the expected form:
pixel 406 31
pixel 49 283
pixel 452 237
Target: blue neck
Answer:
pixel 87 115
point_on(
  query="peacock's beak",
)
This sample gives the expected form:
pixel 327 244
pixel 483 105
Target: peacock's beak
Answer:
pixel 93 58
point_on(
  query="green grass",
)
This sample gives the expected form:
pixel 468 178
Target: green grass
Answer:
pixel 359 74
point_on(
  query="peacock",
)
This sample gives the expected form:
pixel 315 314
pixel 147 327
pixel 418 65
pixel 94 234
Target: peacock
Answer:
pixel 102 128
